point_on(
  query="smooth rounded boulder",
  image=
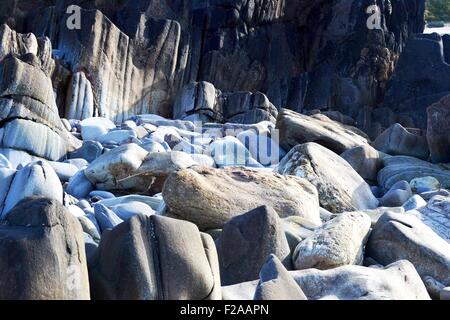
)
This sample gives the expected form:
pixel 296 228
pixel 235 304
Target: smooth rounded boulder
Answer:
pixel 42 253
pixel 35 179
pixel 155 258
pixel 211 197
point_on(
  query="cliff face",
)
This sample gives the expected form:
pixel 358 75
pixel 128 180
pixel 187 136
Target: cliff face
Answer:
pixel 136 55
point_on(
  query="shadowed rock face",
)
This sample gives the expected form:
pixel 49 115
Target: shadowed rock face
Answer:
pixel 301 54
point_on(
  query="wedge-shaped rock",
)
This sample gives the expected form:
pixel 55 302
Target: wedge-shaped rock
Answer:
pixel 42 253
pixel 155 258
pixel 211 197
pixel 397 140
pixel 276 283
pixel 339 242
pixel 402 236
pixel 247 241
pixel 340 187
pixel 398 281
pixel 296 129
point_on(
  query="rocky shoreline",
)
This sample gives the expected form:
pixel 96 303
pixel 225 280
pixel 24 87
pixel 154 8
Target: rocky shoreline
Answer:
pixel 136 165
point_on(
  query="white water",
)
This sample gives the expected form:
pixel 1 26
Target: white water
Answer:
pixel 441 31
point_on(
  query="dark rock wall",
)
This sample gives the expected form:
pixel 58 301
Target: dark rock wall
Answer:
pixel 138 54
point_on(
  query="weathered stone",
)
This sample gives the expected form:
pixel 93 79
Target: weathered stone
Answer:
pixel 340 187
pixel 154 258
pixel 42 253
pixel 405 168
pixel 436 215
pixel 438 130
pixel 295 129
pixel 397 195
pixel 399 236
pixel 35 179
pixel 211 197
pixel 338 242
pixel 365 160
pixel 276 283
pixel 80 98
pixel 397 140
pixel 247 241
pixel 115 165
pixel 398 281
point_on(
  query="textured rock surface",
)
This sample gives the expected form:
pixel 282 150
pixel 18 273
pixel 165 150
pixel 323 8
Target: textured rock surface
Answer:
pixel 405 168
pixel 340 186
pixel 28 110
pixel 398 236
pixel 42 253
pixel 237 46
pixel 168 259
pixel 438 130
pixel 211 197
pixel 296 129
pixel 397 140
pixel 398 281
pixel 436 215
pixel 338 242
pixel 247 241
pixel 365 160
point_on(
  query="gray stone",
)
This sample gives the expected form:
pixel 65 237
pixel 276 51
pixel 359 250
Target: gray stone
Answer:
pixel 340 187
pixel 398 281
pixel 407 168
pixel 80 98
pixel 438 129
pixel 79 185
pixel 35 179
pixel 397 195
pixel 338 242
pixel 247 241
pixel 42 253
pixel 399 236
pixel 211 197
pixel 424 184
pixel 297 129
pixel 276 283
pixel 365 160
pixel 115 165
pixel 154 258
pixel 397 140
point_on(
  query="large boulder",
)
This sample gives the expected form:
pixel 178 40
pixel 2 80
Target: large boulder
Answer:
pixel 35 179
pixel 397 140
pixel 28 111
pixel 247 241
pixel 436 215
pixel 117 164
pixel 340 187
pixel 295 128
pixel 399 236
pixel 42 253
pixel 339 242
pixel 211 197
pixel 398 281
pixel 155 258
pixel 403 168
pixel 438 130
